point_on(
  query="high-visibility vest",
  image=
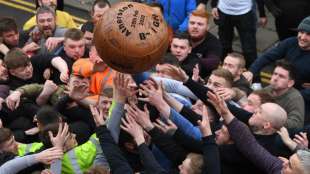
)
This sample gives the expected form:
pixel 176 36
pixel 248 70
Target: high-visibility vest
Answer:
pixel 24 149
pixel 81 158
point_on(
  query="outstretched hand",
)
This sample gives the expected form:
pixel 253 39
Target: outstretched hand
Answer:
pixel 49 155
pixel 142 117
pixel 168 128
pixel 204 124
pixel 61 137
pixel 133 128
pixel 153 92
pixel 98 115
pixel 220 106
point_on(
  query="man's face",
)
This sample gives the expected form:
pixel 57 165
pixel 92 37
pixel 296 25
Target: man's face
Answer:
pixel 88 37
pixel 280 79
pixel 232 65
pixel 257 121
pixel 215 82
pixel 222 136
pixel 46 24
pixel 98 13
pixel 24 72
pixel 197 27
pixel 10 146
pixel 10 38
pixel 74 49
pixel 304 40
pixel 77 81
pixel 4 75
pixel 104 104
pixel 253 103
pixel 180 48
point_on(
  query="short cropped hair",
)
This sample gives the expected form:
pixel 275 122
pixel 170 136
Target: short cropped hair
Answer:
pixel 47 115
pixel 7 24
pixel 182 36
pixel 265 96
pixel 100 4
pixel 73 34
pixel 224 74
pixel 158 5
pixel 201 13
pixel 16 58
pixel 238 56
pixel 45 9
pixel 196 163
pixel 88 26
pixel 287 66
pixel 5 135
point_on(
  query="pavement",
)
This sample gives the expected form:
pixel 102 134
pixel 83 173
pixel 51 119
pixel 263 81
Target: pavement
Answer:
pixel 22 10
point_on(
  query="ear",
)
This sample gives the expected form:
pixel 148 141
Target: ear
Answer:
pixel 267 125
pixel 291 83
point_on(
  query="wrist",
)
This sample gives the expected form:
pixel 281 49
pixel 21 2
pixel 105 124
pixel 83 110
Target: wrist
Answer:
pixel 139 140
pixel 148 126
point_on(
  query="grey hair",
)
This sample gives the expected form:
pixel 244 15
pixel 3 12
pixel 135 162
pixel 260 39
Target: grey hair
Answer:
pixel 304 157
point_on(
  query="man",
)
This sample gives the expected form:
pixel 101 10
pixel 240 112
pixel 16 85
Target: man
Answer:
pixel 88 30
pixel 297 51
pixel 204 44
pixel 8 144
pixel 24 70
pixel 235 63
pixel 46 34
pixel 99 7
pixel 281 88
pixel 63 19
pixel 181 49
pixel 11 38
pixel 176 12
pixel 73 48
pixel 239 14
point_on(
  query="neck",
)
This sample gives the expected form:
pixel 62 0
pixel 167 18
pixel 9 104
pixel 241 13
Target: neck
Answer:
pixel 277 93
pixel 197 41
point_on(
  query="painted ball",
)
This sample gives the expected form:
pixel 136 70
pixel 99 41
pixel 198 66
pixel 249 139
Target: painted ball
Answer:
pixel 131 37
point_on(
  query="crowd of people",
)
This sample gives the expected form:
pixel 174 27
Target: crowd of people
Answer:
pixel 201 110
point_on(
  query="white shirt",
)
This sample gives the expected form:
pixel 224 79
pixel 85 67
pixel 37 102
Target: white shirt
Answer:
pixel 235 7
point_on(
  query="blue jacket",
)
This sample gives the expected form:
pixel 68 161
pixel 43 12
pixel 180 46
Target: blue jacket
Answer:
pixel 176 12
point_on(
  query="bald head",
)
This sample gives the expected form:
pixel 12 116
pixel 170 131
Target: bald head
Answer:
pixel 275 114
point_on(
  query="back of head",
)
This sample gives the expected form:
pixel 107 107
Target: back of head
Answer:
pixel 73 34
pixel 264 96
pixel 7 24
pixel 97 170
pixel 196 163
pixel 47 115
pixel 5 135
pixel 44 134
pixel 304 157
pixel 16 58
pixel 275 114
